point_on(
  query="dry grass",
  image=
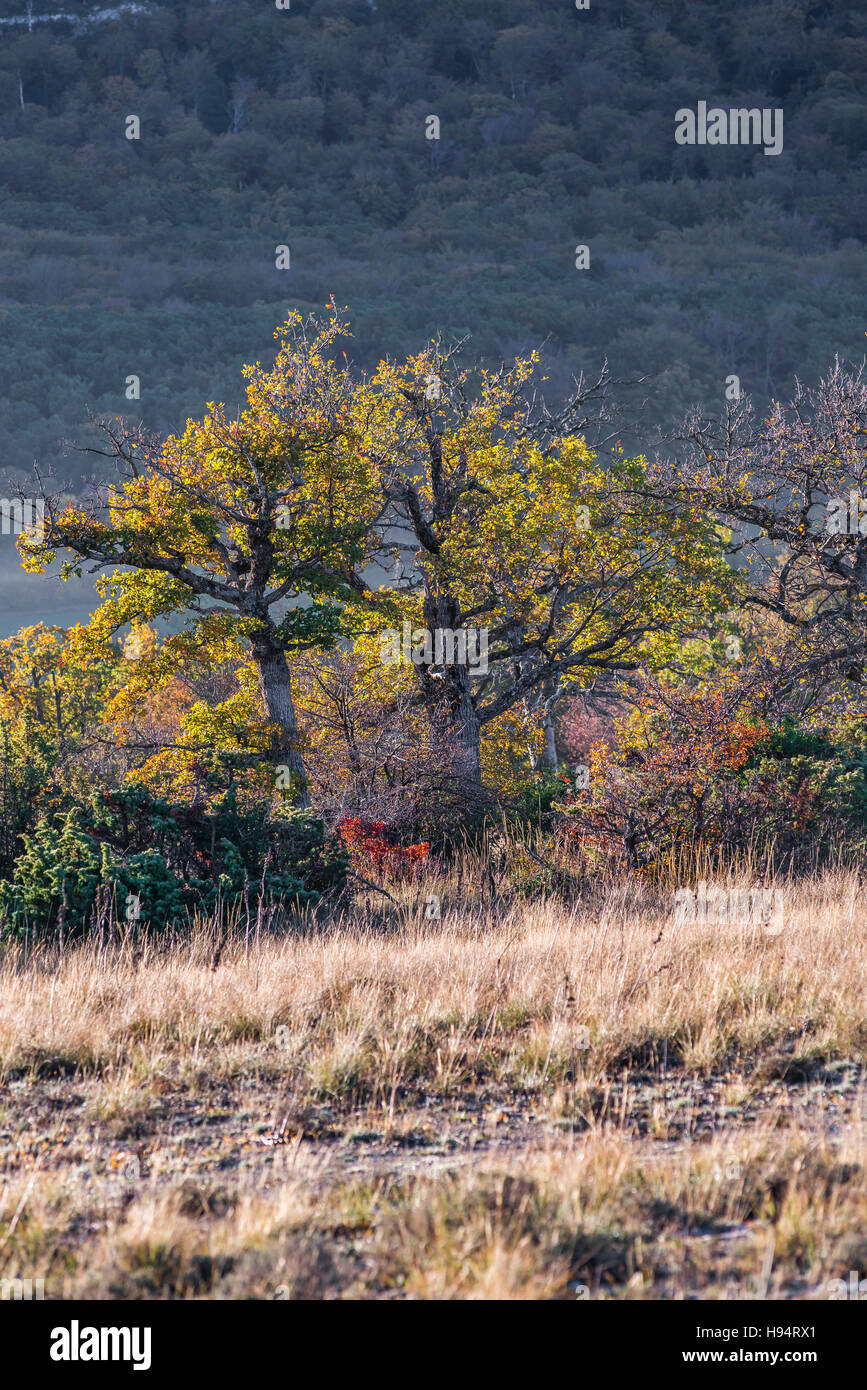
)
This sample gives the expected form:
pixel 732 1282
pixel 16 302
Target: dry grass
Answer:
pixel 521 1101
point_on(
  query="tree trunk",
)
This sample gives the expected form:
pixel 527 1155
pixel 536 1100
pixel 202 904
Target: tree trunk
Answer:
pixel 442 612
pixel 550 761
pixel 468 734
pixel 549 753
pixel 275 686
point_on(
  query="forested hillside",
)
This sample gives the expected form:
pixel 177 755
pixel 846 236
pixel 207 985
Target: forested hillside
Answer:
pixel 306 127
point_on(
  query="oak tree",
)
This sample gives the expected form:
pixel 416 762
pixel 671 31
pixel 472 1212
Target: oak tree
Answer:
pixel 231 523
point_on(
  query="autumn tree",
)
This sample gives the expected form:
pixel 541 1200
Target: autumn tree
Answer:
pixel 235 520
pixel 792 488
pixel 188 717
pixel 53 696
pixel 509 521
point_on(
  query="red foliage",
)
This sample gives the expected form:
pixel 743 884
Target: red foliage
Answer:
pixel 673 776
pixel 367 843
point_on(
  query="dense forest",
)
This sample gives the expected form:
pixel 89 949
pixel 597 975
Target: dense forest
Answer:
pixel 306 127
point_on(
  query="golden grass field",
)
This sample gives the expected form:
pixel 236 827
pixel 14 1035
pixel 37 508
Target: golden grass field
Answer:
pixel 520 1100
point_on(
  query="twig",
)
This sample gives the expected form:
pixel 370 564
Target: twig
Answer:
pixel 375 888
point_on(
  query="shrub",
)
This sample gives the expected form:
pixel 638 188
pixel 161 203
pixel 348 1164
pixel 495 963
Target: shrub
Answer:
pixel 58 874
pixel 370 850
pixel 709 769
pixel 171 860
